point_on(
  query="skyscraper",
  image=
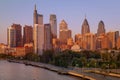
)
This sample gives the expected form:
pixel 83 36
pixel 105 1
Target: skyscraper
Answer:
pixel 38 39
pixel 53 23
pixel 65 33
pixel 85 27
pixel 63 25
pixel 18 29
pixel 28 34
pixel 47 37
pixel 38 32
pixel 35 16
pixel 40 19
pixel 11 37
pixel 101 28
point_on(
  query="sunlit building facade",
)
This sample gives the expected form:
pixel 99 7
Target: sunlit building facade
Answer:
pixel 11 37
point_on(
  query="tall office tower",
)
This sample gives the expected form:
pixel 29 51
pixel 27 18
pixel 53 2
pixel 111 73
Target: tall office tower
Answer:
pixel 53 23
pixel 35 16
pixel 47 37
pixel 85 27
pixel 40 19
pixel 28 34
pixel 18 29
pixel 65 33
pixel 11 37
pixel 101 28
pixel 38 38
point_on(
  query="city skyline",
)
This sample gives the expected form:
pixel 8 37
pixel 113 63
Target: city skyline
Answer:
pixel 94 11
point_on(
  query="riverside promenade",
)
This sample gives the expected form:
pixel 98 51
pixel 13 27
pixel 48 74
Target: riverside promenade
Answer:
pixel 83 73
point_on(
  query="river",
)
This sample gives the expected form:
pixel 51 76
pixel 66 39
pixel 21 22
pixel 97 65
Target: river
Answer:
pixel 16 71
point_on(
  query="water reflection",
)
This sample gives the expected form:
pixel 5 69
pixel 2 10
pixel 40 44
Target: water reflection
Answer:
pixel 15 71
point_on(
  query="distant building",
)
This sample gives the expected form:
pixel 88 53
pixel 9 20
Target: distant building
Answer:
pixel 85 27
pixel 101 28
pixel 76 48
pixel 38 32
pixel 63 25
pixel 53 23
pixel 88 42
pixel 38 39
pixel 79 40
pixel 11 37
pixel 113 36
pixel 3 48
pixel 28 34
pixel 70 42
pixel 105 42
pixel 40 19
pixel 99 42
pixel 35 16
pixel 47 37
pixel 118 43
pixel 65 33
pixel 18 30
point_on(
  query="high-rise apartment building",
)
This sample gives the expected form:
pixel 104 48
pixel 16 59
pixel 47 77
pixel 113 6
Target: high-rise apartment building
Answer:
pixel 101 28
pixel 27 34
pixel 85 27
pixel 11 37
pixel 47 37
pixel 53 23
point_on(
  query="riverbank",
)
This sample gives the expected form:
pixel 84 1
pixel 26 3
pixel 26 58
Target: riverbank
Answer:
pixel 59 70
pixel 104 73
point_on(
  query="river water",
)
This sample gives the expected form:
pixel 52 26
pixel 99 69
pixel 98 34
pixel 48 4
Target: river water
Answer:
pixel 15 71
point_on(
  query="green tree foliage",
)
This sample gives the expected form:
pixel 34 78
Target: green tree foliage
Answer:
pixel 32 57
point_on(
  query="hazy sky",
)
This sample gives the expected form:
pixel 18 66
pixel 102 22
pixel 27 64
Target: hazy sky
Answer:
pixel 72 11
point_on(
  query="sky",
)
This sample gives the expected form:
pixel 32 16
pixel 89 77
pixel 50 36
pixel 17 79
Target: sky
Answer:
pixel 72 11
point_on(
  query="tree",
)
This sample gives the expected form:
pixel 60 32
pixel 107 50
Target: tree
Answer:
pixel 92 62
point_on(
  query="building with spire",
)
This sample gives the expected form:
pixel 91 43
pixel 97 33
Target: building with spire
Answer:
pixel 37 18
pixel 38 32
pixel 101 28
pixel 85 27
